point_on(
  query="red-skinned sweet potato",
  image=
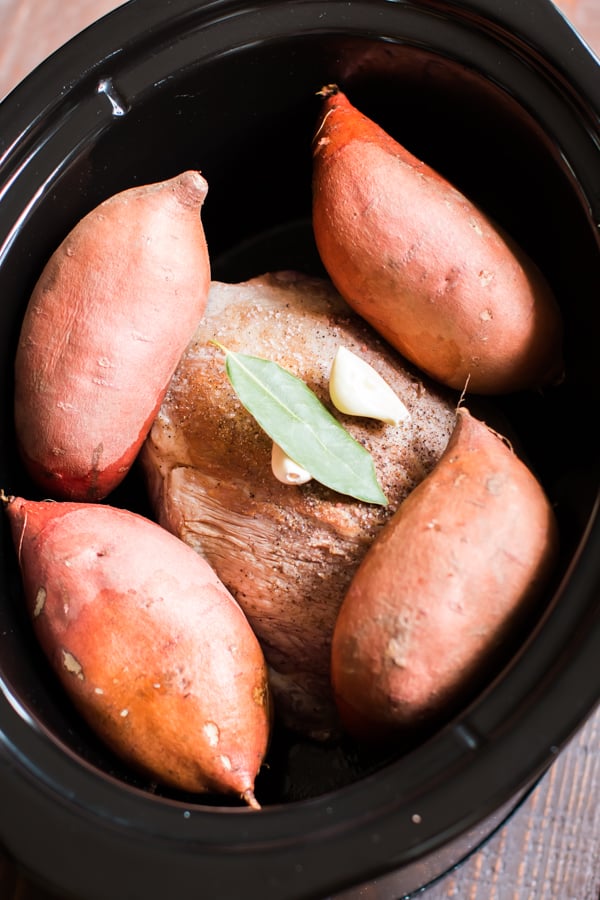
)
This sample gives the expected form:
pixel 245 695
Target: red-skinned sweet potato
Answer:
pixel 420 262
pixel 437 594
pixel 152 649
pixel 106 324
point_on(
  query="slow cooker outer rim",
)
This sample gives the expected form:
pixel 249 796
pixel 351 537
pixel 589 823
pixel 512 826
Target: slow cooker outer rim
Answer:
pixel 117 31
pixel 24 127
pixel 120 45
pixel 116 39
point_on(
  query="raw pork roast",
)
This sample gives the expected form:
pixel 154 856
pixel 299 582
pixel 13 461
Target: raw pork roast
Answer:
pixel 287 553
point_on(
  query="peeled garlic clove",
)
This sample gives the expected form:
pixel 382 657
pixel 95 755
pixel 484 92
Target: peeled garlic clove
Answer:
pixel 285 469
pixel 357 389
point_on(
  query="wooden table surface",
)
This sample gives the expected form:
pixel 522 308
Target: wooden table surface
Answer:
pixel 550 848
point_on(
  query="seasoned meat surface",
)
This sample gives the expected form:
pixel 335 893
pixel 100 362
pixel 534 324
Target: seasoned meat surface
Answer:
pixel 286 552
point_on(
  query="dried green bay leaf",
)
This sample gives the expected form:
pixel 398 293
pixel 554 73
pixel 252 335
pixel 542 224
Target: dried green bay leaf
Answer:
pixel 294 417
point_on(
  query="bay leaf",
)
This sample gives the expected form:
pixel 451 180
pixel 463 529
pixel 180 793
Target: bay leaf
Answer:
pixel 294 417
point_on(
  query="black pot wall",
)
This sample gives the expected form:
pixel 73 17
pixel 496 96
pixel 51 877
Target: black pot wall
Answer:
pixel 505 103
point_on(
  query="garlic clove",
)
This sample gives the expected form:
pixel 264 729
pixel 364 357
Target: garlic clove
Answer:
pixel 285 469
pixel 357 389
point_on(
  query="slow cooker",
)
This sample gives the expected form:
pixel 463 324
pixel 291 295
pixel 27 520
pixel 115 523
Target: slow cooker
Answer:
pixel 504 100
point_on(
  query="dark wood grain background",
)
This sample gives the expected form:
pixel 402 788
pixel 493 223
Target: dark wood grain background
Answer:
pixel 550 847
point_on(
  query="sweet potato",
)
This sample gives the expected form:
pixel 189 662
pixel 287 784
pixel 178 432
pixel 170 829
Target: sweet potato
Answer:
pixel 420 262
pixel 105 326
pixel 442 586
pixel 152 649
